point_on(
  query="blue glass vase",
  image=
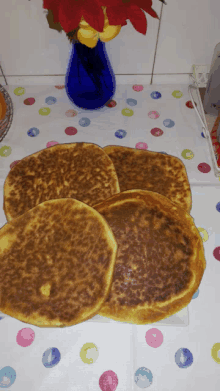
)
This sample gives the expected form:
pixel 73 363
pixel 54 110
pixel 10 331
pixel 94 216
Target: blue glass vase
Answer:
pixel 90 81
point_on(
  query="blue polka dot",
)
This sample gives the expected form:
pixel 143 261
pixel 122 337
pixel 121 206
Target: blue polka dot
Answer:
pixel 84 122
pixel 131 102
pixel 196 294
pixel 50 100
pixel 168 123
pixel 202 134
pixel 183 358
pixel 51 357
pixel 218 206
pixel 155 95
pixel 143 377
pixel 120 133
pixel 7 377
pixel 33 132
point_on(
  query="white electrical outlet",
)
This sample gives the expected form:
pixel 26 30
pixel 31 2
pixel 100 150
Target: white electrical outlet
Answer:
pixel 201 74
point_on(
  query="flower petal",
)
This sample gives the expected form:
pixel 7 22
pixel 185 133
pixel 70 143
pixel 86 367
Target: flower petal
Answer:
pixel 146 6
pixel 69 15
pixel 117 15
pixel 137 18
pixel 109 33
pixel 93 14
pixel 88 37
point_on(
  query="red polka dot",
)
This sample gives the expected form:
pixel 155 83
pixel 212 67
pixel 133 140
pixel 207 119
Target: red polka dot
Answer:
pixel 70 131
pixel 204 167
pixel 60 87
pixel 29 101
pixel 111 103
pixel 216 253
pixel 156 132
pixel 189 104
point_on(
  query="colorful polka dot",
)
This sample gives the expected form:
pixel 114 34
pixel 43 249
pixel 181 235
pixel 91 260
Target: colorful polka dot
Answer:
pixel 120 133
pixel 25 337
pixel 154 338
pixel 203 233
pixel 51 357
pixel 108 381
pixel 157 132
pixel 89 353
pixel 70 131
pixel 183 358
pixel 155 95
pixel 204 167
pixel 7 377
pixel 187 154
pixel 71 113
pixel 60 87
pixel 196 294
pixel 143 377
pixel 215 352
pixel 202 134
pixel 14 163
pixel 131 102
pixel 29 101
pixel 127 112
pixel 138 87
pixel 218 206
pixel 84 122
pixel 189 104
pixel 51 143
pixel 177 94
pixel 169 123
pixel 153 114
pixel 19 91
pixel 111 103
pixel 216 253
pixel 141 146
pixel 50 100
pixel 5 151
pixel 33 132
pixel 44 111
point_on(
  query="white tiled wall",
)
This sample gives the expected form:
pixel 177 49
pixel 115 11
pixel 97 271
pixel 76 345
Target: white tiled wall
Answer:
pixel 187 34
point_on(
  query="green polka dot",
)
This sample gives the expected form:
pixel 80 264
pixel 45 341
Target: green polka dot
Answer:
pixel 177 94
pixel 5 151
pixel 187 154
pixel 19 91
pixel 127 112
pixel 89 353
pixel 44 111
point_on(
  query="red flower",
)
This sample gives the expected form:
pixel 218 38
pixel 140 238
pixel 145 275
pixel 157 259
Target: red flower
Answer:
pixel 69 13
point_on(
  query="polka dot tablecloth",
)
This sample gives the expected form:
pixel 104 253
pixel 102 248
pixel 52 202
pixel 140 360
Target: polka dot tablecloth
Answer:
pixel 111 356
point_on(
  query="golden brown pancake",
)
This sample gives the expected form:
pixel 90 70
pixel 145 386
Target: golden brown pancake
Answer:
pixel 56 264
pixel 153 171
pixel 81 171
pixel 160 259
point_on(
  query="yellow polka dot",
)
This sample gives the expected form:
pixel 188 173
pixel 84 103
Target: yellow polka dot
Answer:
pixel 89 353
pixel 203 233
pixel 215 352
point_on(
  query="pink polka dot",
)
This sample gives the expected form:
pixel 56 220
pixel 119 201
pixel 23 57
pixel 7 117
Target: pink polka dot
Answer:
pixel 29 101
pixel 154 338
pixel 70 131
pixel 14 163
pixel 51 143
pixel 138 87
pixel 25 337
pixel 204 167
pixel 216 253
pixel 156 132
pixel 153 114
pixel 141 145
pixel 71 113
pixel 108 381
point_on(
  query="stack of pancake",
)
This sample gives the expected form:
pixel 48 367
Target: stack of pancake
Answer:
pixel 98 231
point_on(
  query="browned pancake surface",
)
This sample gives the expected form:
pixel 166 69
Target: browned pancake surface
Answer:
pixel 160 259
pixel 56 264
pixel 153 171
pixel 81 171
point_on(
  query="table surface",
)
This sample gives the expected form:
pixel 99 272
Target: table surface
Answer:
pixel 119 356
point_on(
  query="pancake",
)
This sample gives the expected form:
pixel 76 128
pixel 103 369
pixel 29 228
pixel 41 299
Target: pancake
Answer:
pixel 160 260
pixel 81 171
pixel 56 263
pixel 153 171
